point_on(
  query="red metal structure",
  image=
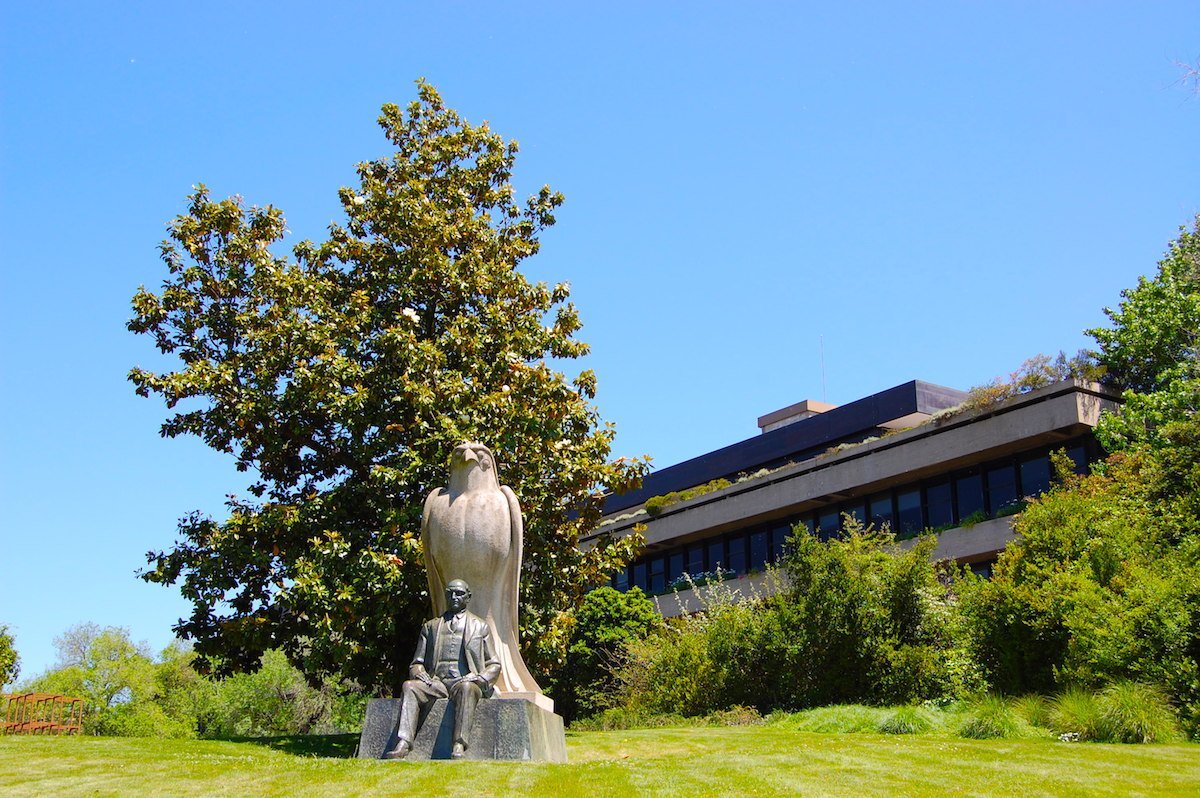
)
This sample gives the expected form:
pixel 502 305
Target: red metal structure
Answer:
pixel 42 713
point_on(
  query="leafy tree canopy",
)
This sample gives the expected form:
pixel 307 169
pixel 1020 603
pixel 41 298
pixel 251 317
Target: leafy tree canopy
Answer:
pixel 1102 582
pixel 1152 350
pixel 10 662
pixel 606 621
pixel 343 375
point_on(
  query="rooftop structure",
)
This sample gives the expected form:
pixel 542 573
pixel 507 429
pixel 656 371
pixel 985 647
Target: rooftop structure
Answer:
pixel 902 457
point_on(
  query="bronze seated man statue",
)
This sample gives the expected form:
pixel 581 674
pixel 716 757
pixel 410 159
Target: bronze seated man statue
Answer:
pixel 454 659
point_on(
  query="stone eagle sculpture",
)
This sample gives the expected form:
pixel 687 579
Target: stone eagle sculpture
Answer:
pixel 472 530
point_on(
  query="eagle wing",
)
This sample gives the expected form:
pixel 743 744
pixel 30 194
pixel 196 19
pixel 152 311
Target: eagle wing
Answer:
pixel 433 570
pixel 512 576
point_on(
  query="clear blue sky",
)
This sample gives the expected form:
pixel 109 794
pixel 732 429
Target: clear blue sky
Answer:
pixel 936 190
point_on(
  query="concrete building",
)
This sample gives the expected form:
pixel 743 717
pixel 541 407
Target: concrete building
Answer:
pixel 903 457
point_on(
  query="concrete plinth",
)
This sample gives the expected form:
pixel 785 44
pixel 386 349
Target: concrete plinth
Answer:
pixel 505 728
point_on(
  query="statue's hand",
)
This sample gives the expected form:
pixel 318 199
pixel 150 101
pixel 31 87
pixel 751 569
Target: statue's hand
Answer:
pixel 418 672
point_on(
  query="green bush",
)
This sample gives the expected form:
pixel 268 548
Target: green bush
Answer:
pixel 992 717
pixel 604 623
pixel 835 719
pixel 856 620
pixel 655 505
pixel 907 720
pixel 1102 584
pixel 1076 712
pixel 1136 713
pixel 865 621
pixel 735 716
pixel 275 700
pixel 620 718
pixel 1034 709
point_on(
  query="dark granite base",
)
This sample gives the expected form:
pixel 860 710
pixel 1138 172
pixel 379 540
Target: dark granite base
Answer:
pixel 505 728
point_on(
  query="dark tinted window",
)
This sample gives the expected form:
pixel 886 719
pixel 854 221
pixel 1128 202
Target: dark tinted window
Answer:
pixel 695 559
pixel 716 555
pixel 1035 475
pixel 779 536
pixel 881 509
pixel 737 554
pixel 908 513
pixel 1001 487
pixel 983 569
pixel 827 523
pixel 939 507
pixel 639 575
pixel 1078 455
pixel 658 575
pixel 970 495
pixel 760 545
pixel 674 566
pixel 621 579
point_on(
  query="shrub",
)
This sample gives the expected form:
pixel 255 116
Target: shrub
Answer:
pixel 606 621
pixel 274 700
pixel 621 718
pixel 835 719
pixel 907 720
pixel 1130 712
pixel 655 505
pixel 855 620
pixel 1100 586
pixel 735 716
pixel 1034 709
pixel 1076 712
pixel 864 621
pixel 991 717
pixel 699 664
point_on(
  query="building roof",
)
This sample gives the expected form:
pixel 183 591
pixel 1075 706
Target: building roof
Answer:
pixel 902 406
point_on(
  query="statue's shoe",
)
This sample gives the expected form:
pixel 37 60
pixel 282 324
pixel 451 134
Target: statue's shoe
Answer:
pixel 400 751
pixel 458 752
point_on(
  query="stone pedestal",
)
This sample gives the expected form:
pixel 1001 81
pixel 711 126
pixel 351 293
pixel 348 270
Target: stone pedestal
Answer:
pixel 505 728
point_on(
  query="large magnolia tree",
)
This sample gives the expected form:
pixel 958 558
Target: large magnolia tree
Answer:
pixel 342 376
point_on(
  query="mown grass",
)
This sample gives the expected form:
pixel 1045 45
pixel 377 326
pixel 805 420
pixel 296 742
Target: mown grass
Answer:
pixel 748 760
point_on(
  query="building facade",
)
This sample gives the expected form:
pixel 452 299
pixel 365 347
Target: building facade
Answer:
pixel 902 457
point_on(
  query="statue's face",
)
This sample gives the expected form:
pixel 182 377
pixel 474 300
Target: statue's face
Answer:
pixel 457 596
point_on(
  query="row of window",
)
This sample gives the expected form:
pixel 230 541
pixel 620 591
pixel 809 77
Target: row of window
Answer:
pixel 969 495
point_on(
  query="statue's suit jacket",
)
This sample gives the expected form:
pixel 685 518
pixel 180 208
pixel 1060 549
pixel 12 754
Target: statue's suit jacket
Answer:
pixel 478 652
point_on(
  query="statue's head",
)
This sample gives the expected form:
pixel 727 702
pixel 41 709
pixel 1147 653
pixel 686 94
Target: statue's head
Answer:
pixel 469 454
pixel 458 595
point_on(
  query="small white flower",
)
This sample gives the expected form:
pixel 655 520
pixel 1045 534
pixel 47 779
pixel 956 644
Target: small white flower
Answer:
pixel 505 388
pixel 410 314
pixel 360 200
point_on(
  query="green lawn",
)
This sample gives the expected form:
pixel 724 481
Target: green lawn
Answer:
pixel 754 760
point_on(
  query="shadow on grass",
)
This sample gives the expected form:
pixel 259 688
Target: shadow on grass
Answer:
pixel 334 746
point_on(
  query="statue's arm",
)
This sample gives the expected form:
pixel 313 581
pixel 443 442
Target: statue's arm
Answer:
pixel 491 663
pixel 416 670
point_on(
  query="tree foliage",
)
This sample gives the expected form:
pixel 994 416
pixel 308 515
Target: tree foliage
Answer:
pixel 1152 349
pixel 1157 324
pixel 116 679
pixel 343 375
pixel 1103 581
pixel 10 662
pixel 606 622
pixel 127 692
pixel 856 620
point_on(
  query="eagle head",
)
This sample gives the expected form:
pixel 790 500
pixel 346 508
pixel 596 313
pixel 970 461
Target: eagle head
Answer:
pixel 472 466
